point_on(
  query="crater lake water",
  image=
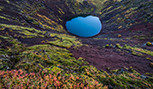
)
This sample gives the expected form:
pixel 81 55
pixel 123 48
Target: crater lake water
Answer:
pixel 84 26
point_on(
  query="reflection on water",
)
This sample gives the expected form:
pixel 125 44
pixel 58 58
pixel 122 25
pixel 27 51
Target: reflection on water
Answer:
pixel 84 26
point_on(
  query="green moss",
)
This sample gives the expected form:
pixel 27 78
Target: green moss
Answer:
pixel 119 46
pixel 60 62
pixel 35 23
pixel 149 44
pixel 148 58
pixel 29 18
pixel 137 53
pixel 50 24
pixel 9 50
pixel 64 40
pixel 47 56
pixel 99 4
pixel 53 64
pixel 107 46
pixel 1 8
pixel 28 32
pixel 55 70
pixel 140 50
pixel 2 17
pixel 32 20
pixel 2 28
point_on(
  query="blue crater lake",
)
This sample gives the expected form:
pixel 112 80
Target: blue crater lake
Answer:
pixel 84 26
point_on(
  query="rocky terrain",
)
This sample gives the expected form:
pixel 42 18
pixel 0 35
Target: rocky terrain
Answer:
pixel 36 51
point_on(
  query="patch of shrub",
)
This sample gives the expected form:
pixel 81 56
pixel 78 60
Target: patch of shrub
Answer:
pixel 149 44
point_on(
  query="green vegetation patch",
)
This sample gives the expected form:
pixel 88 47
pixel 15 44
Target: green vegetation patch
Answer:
pixel 2 17
pixel 135 50
pixel 48 23
pixel 28 32
pixel 53 67
pixel 64 40
pixel 47 56
pixel 1 8
pixel 140 50
pixel 98 3
pixel 9 50
pixel 149 44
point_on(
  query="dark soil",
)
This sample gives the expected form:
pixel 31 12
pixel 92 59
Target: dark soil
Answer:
pixel 104 58
pixel 114 58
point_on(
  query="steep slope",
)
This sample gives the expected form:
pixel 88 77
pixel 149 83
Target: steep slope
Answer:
pixel 35 42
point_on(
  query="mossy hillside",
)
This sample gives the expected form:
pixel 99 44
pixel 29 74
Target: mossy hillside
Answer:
pixel 45 60
pixel 64 40
pixel 129 13
pixel 10 45
pixel 88 6
pixel 102 8
pixel 135 50
pixel 82 7
pixel 50 24
pixel 10 48
pixel 20 11
pixel 35 57
pixel 61 62
pixel 47 56
pixel 27 7
pixel 1 8
pixel 25 31
pixel 5 18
